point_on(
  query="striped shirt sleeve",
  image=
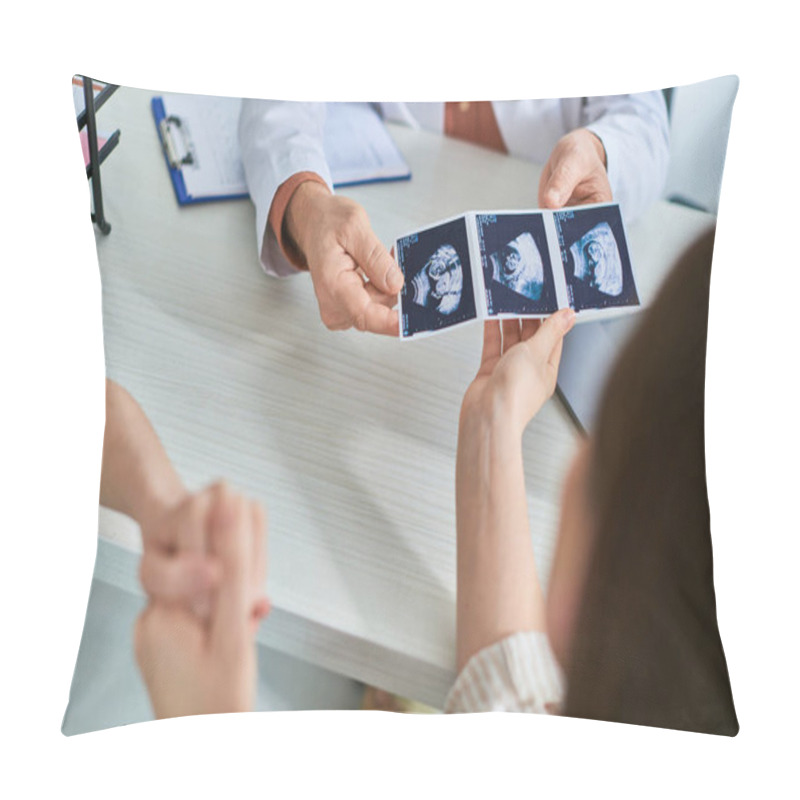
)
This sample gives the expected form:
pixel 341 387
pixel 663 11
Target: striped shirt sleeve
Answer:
pixel 518 673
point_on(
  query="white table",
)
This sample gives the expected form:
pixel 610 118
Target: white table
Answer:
pixel 348 439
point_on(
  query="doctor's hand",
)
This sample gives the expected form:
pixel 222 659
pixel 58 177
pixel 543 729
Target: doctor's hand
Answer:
pixel 575 173
pixel 178 567
pixel 517 375
pixel 355 278
pixel 194 666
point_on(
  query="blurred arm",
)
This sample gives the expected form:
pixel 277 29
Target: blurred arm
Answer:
pixel 137 477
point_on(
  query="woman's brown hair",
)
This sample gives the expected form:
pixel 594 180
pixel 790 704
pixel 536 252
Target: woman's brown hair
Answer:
pixel 647 648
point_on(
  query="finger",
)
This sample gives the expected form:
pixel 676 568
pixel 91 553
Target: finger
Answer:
pixel 595 188
pixel 564 172
pixel 262 607
pixel 560 186
pixel 555 356
pixel 190 533
pixel 377 296
pixel 184 528
pixel 529 328
pixel 231 536
pixel 492 345
pixel 551 367
pixel 370 254
pixel 594 196
pixel 550 333
pixel 185 579
pixel 365 315
pixel 382 320
pixel 511 334
pixel 259 548
pixel 260 611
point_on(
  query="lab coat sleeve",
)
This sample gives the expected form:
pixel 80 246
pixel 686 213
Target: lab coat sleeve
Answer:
pixel 277 140
pixel 634 129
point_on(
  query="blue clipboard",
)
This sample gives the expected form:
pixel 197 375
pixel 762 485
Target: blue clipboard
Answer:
pixel 179 153
pixel 174 160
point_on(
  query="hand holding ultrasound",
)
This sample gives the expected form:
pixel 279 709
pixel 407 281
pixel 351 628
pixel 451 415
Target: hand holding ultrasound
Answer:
pixel 512 264
pixel 355 279
pixel 518 371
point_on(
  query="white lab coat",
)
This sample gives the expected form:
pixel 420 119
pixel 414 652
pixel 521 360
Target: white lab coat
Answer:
pixel 281 138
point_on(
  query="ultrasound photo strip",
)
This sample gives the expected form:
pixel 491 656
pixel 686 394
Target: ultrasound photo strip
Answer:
pixel 515 264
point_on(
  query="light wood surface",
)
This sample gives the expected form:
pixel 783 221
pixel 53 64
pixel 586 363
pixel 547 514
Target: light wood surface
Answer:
pixel 348 439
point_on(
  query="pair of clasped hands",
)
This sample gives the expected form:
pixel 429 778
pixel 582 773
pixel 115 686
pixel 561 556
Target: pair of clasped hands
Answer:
pixel 203 569
pixel 204 561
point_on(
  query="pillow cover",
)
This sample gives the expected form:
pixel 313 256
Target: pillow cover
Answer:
pixel 217 370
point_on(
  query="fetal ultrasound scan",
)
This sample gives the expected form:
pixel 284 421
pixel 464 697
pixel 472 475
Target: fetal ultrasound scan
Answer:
pixel 438 290
pixel 518 275
pixel 595 256
pixel 518 266
pixel 597 262
pixel 526 264
pixel 439 283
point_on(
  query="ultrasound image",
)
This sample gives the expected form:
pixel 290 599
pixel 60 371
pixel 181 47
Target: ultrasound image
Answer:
pixel 440 281
pixel 594 252
pixel 438 292
pixel 517 273
pixel 518 266
pixel 597 260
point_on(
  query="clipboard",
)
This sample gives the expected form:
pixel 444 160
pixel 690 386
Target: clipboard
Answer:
pixel 179 153
pixel 200 145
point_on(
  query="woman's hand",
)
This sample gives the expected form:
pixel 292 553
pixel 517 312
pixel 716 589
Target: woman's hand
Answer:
pixel 518 370
pixel 177 565
pixel 498 589
pixel 139 480
pixel 205 666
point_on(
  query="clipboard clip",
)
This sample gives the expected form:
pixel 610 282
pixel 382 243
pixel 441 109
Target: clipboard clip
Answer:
pixel 176 142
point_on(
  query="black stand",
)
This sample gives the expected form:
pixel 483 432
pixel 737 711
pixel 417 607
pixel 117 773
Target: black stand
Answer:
pixel 96 157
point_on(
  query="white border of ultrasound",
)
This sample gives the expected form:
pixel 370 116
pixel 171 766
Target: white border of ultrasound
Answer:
pixel 476 271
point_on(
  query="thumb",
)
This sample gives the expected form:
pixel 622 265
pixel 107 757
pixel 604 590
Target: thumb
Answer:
pixel 542 344
pixel 562 173
pixel 370 254
pixel 187 578
pixel 231 537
